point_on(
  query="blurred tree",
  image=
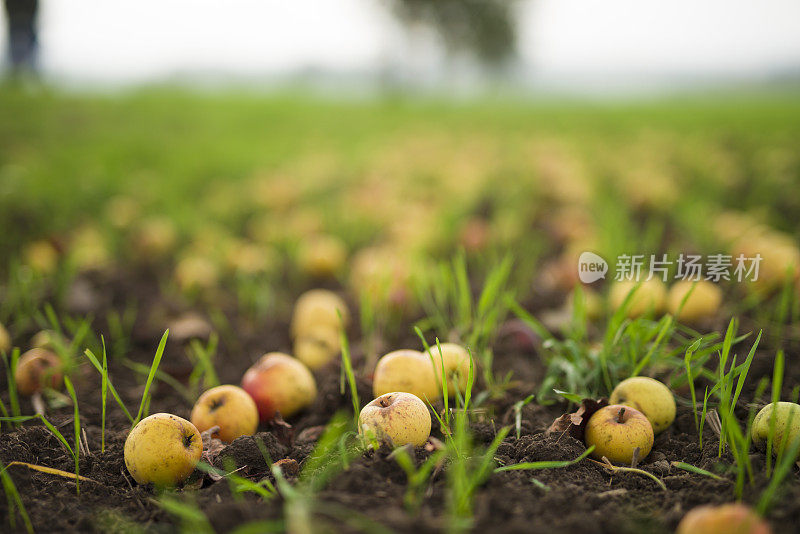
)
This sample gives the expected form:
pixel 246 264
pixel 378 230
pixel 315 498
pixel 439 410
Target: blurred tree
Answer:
pixel 22 41
pixel 483 28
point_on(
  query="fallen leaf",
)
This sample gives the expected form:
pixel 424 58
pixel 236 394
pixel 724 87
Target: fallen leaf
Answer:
pixel 282 430
pixel 211 447
pixel 575 423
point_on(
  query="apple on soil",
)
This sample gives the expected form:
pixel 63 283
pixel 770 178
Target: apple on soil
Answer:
pixel 651 397
pixel 228 407
pixel 317 346
pixel 162 449
pixel 397 419
pixel 279 383
pixel 649 296
pixel 787 426
pixel 456 366
pixel 319 307
pixel 702 303
pixel 617 431
pixel 36 369
pixel 410 371
pixel 735 518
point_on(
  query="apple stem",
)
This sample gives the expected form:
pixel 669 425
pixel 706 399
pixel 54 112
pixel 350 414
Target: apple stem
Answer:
pixel 621 415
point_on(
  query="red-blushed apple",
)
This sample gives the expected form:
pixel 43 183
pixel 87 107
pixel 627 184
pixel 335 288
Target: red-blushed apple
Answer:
pixel 228 407
pixel 397 419
pixel 617 431
pixel 36 369
pixel 279 383
pixel 162 449
pixel 734 518
pixel 410 371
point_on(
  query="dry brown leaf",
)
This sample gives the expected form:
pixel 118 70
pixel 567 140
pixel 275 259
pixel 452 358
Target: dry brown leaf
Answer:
pixel 211 446
pixel 575 423
pixel 282 430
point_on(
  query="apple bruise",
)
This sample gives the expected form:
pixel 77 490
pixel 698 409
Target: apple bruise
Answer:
pixel 217 403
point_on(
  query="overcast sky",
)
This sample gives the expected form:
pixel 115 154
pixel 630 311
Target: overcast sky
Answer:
pixel 141 40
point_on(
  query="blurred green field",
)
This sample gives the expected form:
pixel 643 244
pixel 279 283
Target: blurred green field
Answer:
pixel 62 155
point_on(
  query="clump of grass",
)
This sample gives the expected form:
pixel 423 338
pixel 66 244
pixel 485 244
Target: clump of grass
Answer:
pixel 347 373
pixel 447 299
pixel 192 519
pixel 15 504
pixel 203 371
pixel 13 397
pixel 417 477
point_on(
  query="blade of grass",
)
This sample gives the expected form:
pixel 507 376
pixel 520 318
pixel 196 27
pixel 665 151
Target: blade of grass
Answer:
pixel 153 368
pixel 553 464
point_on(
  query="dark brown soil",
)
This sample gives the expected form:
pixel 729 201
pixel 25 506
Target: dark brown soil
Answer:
pixel 581 498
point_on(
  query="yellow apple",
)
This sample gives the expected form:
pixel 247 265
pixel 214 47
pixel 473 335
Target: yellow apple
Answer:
pixel 456 366
pixel 47 339
pixel 649 297
pixel 36 369
pixel 322 256
pixel 279 383
pixel 735 518
pixel 317 346
pixel 155 237
pixel 397 419
pixel 702 304
pixel 162 449
pixel 617 431
pixel 319 307
pixel 410 371
pixel 649 396
pixel 5 339
pixel 41 256
pixel 787 423
pixel 228 407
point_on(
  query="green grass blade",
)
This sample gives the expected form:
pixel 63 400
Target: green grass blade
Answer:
pixel 153 368
pixel 553 464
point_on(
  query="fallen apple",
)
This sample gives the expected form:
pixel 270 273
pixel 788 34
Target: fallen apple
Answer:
pixel 617 431
pixel 5 339
pixel 196 273
pixel 162 449
pixel 734 518
pixel 702 303
pixel 47 339
pixel 649 396
pixel 456 366
pixel 318 346
pixel 155 237
pixel 787 426
pixel 409 371
pixel 319 307
pixel 36 369
pixel 228 407
pixel 279 383
pixel 649 296
pixel 41 256
pixel 322 256
pixel 397 418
